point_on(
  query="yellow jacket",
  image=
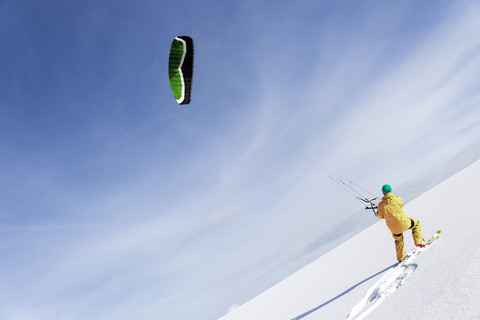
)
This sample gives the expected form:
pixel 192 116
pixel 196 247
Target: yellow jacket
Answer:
pixel 391 209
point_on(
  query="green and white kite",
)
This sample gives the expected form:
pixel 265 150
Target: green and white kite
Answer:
pixel 180 68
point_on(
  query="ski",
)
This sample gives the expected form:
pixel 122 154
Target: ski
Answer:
pixel 419 249
pixel 433 238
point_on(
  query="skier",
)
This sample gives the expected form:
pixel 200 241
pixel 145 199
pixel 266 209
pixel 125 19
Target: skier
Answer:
pixel 391 209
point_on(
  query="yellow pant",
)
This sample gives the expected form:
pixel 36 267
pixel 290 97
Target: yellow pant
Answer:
pixel 400 243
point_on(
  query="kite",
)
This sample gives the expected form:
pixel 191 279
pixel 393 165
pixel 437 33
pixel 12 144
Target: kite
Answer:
pixel 180 68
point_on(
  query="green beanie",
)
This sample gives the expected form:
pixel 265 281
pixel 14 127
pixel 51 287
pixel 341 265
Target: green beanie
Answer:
pixel 386 189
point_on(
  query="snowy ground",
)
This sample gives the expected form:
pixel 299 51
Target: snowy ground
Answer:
pixel 445 279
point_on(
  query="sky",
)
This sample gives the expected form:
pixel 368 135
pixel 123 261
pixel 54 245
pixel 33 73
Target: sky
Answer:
pixel 116 203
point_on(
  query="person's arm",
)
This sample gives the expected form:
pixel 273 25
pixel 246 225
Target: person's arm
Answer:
pixel 380 214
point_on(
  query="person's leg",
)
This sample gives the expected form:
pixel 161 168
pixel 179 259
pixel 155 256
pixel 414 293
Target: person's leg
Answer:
pixel 399 246
pixel 417 232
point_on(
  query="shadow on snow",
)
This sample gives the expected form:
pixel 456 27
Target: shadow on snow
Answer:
pixel 341 294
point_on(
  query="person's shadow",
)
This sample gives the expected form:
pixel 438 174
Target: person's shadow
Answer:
pixel 303 315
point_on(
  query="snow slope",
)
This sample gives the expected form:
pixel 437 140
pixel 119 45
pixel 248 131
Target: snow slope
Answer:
pixel 444 282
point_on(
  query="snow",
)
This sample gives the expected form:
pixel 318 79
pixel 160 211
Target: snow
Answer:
pixel 443 283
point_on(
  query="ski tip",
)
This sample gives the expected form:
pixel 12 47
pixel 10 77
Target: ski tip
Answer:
pixel 439 231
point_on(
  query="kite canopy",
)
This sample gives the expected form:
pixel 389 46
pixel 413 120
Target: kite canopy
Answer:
pixel 180 68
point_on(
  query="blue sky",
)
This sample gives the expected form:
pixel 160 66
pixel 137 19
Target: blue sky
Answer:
pixel 116 203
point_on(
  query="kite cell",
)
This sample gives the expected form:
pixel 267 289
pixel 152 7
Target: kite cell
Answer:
pixel 180 68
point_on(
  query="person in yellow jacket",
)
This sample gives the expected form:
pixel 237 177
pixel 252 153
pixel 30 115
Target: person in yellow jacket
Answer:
pixel 391 209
